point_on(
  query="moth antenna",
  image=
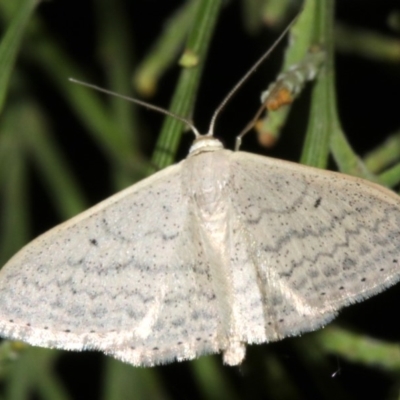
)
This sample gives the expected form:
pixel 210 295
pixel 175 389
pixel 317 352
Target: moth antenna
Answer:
pixel 249 126
pixel 140 103
pixel 246 76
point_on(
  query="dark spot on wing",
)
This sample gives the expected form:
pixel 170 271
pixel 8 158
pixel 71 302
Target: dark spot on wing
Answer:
pixel 318 202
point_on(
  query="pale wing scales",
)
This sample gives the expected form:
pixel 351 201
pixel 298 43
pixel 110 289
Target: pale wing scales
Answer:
pixel 318 240
pixel 126 277
pixel 187 262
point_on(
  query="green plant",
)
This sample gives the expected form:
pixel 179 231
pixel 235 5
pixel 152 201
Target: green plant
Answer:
pixel 34 69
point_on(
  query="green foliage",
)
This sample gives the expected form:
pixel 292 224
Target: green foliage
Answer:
pixel 37 101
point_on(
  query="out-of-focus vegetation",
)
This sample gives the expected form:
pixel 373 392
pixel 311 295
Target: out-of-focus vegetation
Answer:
pixel 64 147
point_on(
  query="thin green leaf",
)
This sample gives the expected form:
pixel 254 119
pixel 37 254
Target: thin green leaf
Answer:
pixel 211 381
pixel 123 381
pixel 322 115
pixel 95 115
pixel 186 89
pixel 368 44
pixel 359 348
pixel 11 43
pixel 302 37
pixel 57 176
pixel 15 225
pixel 384 155
pixel 164 52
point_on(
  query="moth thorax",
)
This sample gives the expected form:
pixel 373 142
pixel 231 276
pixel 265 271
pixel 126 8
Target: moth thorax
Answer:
pixel 205 143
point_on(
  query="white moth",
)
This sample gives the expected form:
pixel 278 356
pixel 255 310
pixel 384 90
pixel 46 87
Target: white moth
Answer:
pixel 223 249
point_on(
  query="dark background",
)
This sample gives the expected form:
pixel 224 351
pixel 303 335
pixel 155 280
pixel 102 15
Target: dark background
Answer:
pixel 368 104
pixel 366 90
